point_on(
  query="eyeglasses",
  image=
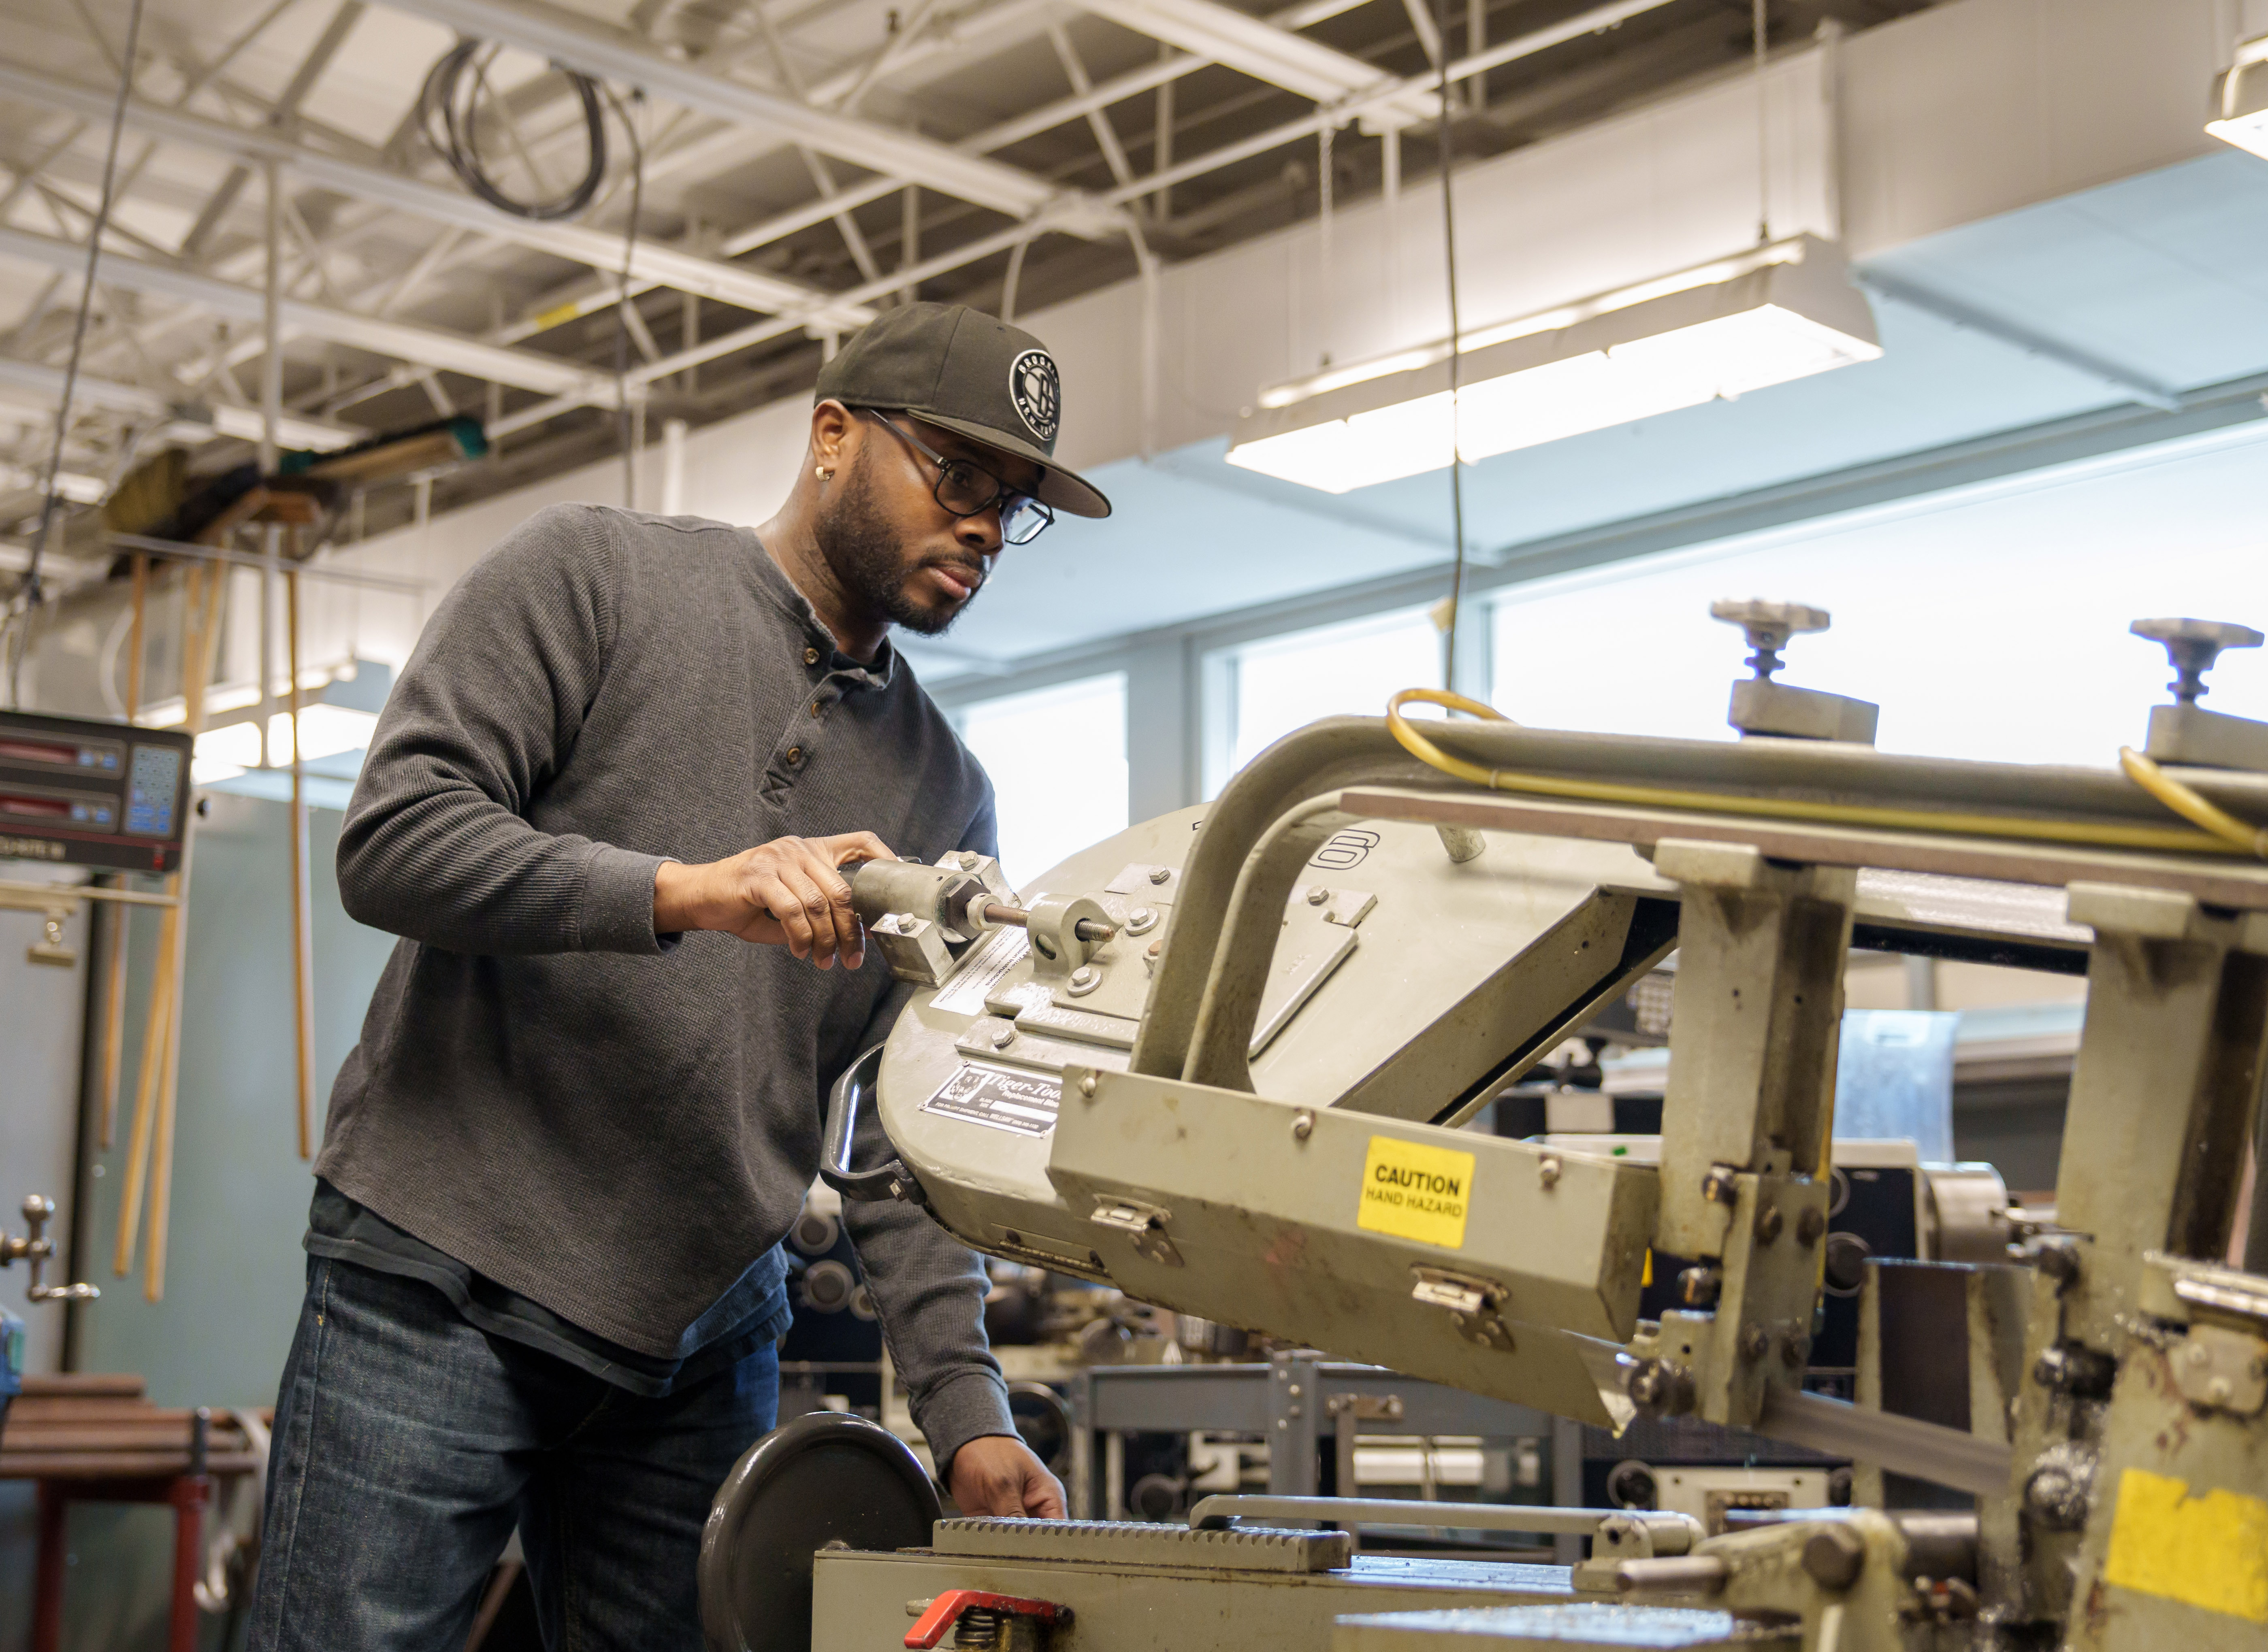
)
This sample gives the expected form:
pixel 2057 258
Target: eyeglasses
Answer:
pixel 964 490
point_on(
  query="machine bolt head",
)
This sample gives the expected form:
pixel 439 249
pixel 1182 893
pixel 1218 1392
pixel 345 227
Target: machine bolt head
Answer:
pixel 1002 1036
pixel 2075 1369
pixel 2057 1257
pixel 2059 1491
pixel 1317 894
pixel 1548 1170
pixel 1141 921
pixel 1720 1184
pixel 1161 874
pixel 1085 979
pixel 1794 1349
pixel 1087 1085
pixel 1698 1287
pixel 1834 1556
pixel 1756 1342
pixel 1767 1224
pixel 1303 1125
pixel 1809 1226
pixel 1660 1389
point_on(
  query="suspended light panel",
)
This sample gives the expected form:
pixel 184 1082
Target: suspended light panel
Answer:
pixel 2241 96
pixel 1780 312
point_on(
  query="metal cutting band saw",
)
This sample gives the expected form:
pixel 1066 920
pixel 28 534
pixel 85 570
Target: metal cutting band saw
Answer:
pixel 1220 1061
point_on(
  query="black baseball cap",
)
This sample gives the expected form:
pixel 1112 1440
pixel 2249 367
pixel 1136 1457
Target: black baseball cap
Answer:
pixel 970 373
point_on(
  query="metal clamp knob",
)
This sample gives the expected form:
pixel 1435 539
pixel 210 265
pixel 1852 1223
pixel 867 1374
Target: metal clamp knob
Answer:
pixel 2192 645
pixel 1768 625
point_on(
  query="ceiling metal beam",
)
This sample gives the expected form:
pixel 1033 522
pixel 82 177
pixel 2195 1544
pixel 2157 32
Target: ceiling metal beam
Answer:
pixel 600 249
pixel 430 347
pixel 583 46
pixel 45 383
pixel 1253 47
pixel 1598 18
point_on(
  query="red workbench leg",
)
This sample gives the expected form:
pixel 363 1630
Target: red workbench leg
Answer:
pixel 187 1496
pixel 47 1589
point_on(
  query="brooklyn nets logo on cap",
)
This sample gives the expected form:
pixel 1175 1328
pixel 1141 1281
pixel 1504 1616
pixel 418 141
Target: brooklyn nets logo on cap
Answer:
pixel 1037 393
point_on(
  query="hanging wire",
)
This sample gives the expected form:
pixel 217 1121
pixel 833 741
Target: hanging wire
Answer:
pixel 624 425
pixel 1457 365
pixel 450 105
pixel 30 588
pixel 1763 143
pixel 1324 201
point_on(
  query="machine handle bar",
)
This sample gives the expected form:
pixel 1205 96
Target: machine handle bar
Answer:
pixel 893 1180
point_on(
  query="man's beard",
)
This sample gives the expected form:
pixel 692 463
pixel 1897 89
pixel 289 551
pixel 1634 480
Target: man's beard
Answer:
pixel 864 554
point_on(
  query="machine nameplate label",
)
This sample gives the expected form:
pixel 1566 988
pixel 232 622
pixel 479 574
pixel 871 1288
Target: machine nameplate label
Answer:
pixel 1415 1191
pixel 2207 1549
pixel 1026 1103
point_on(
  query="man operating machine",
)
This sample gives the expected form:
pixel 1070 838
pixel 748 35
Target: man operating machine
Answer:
pixel 544 1283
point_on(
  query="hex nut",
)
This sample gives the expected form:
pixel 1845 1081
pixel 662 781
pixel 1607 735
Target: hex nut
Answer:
pixel 1767 1224
pixel 1756 1342
pixel 1834 1556
pixel 1161 874
pixel 1002 1036
pixel 1317 894
pixel 1720 1184
pixel 1085 979
pixel 1698 1287
pixel 1809 1226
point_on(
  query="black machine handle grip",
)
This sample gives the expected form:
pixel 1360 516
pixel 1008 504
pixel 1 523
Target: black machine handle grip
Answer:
pixel 893 1180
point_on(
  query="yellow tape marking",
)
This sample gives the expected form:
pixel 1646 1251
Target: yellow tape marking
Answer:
pixel 2208 1550
pixel 558 315
pixel 1415 1191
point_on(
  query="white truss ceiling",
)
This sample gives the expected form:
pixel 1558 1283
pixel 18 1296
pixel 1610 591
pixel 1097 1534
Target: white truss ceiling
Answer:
pixel 808 162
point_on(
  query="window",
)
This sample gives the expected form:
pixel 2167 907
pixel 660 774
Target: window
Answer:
pixel 1057 760
pixel 1259 692
pixel 1994 629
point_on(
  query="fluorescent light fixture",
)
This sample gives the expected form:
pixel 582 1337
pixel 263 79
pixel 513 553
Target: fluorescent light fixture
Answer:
pixel 1780 312
pixel 2240 99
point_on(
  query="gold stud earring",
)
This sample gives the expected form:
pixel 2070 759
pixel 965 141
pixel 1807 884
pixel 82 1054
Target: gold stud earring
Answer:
pixel 825 472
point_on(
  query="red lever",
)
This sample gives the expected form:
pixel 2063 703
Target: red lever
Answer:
pixel 946 1611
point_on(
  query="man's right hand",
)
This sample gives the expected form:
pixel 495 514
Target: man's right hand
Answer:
pixel 787 892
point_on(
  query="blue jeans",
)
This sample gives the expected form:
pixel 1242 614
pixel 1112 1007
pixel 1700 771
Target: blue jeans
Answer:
pixel 409 1444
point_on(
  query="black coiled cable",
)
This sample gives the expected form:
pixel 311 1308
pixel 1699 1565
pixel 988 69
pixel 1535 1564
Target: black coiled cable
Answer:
pixel 449 108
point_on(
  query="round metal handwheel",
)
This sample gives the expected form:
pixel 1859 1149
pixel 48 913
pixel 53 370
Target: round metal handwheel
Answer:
pixel 823 1479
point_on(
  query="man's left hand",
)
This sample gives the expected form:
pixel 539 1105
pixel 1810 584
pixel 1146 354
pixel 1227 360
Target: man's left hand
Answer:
pixel 996 1474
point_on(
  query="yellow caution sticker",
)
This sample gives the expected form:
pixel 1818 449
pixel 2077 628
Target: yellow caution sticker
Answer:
pixel 1415 1191
pixel 2208 1550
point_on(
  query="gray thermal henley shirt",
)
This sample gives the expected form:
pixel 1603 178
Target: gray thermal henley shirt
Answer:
pixel 616 1125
